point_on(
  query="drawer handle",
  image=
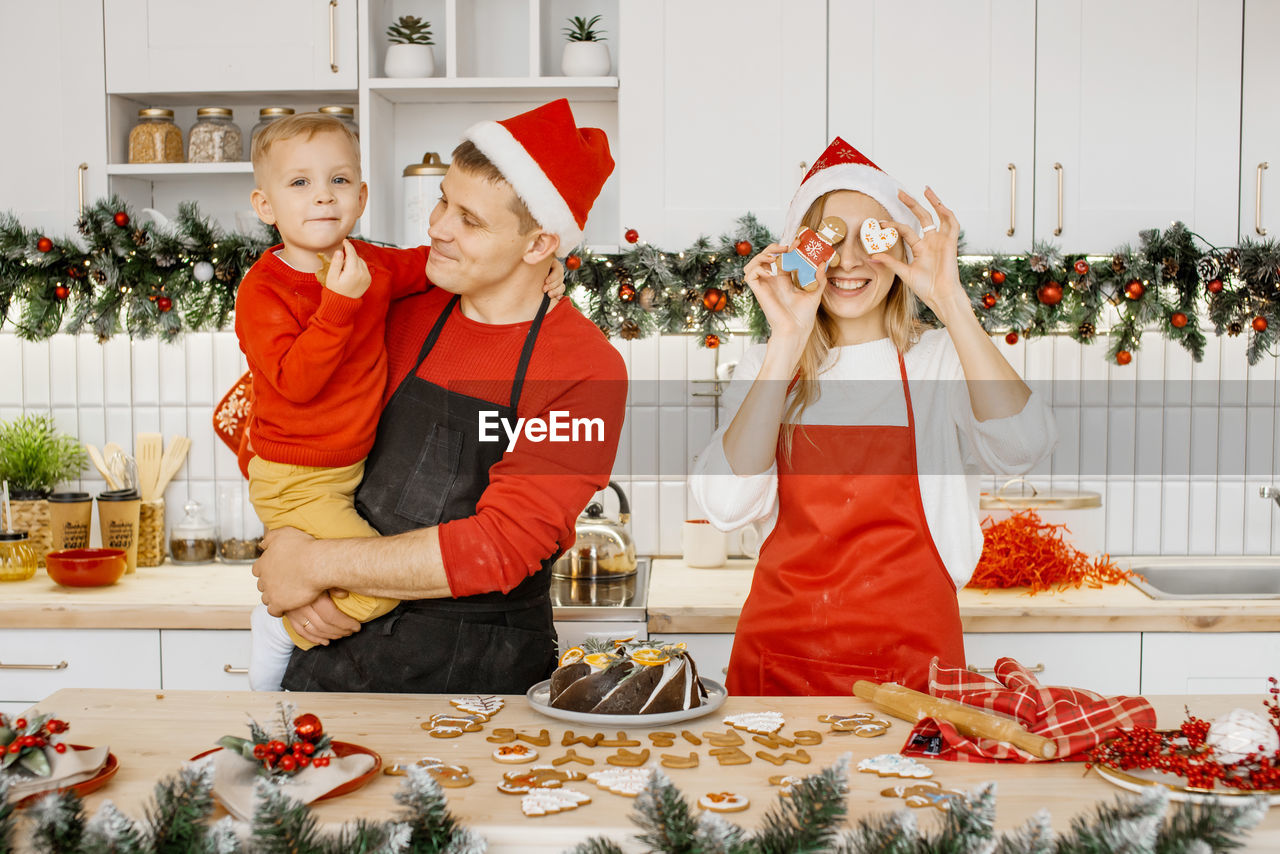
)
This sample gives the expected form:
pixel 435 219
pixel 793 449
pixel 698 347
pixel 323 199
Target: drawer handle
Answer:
pixel 333 37
pixel 227 668
pixel 61 665
pixel 1039 668
pixel 1013 199
pixel 1257 200
pixel 1057 167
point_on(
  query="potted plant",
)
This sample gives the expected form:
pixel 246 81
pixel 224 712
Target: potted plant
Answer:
pixel 409 54
pixel 586 54
pixel 35 458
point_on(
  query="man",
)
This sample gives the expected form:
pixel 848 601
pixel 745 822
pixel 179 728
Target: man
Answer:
pixel 473 502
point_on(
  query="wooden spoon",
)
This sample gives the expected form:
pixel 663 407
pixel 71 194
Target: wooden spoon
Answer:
pixel 174 456
pixel 101 465
pixel 149 448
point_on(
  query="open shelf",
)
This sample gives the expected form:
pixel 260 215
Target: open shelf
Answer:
pixel 425 90
pixel 160 171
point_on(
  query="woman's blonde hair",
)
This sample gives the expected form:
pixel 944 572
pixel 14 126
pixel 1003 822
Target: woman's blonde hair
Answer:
pixel 901 320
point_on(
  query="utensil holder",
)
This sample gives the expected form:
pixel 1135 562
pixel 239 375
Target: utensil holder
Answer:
pixel 151 541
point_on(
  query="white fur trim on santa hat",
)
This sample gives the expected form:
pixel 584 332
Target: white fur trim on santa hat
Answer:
pixel 531 184
pixel 848 176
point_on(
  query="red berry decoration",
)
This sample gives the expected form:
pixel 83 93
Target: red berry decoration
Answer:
pixel 164 303
pixel 1011 338
pixel 260 752
pixel 632 235
pixel 1134 290
pixel 989 299
pixel 712 341
pixel 998 277
pixel 1178 320
pixel 1124 357
pixel 742 247
pixel 1259 324
pixel 1050 294
pixel 1214 286
pixel 277 747
pixel 714 299
pixel 287 763
pixel 573 262
pixel 60 748
pixel 62 292
pixel 20 723
pixel 1081 267
pixel 626 293
pixel 308 727
pixel 121 219
pixel 44 244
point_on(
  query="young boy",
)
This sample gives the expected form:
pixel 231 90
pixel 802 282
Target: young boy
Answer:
pixel 311 319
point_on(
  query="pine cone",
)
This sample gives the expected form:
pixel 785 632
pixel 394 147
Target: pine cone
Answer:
pixel 1208 267
pixel 1231 258
pixel 645 298
pixel 630 330
pixel 224 273
pixel 165 261
pixel 98 277
pixel 1087 330
pixel 1234 328
pixel 1170 268
pixel 139 237
pixel 82 226
pixel 1119 264
pixel 1038 262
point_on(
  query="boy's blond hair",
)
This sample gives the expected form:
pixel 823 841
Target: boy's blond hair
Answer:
pixel 308 124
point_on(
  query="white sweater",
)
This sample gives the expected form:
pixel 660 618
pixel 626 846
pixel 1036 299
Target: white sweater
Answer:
pixel 861 385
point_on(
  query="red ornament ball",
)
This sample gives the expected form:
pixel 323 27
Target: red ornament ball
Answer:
pixel 573 262
pixel 742 247
pixel 44 244
pixel 712 341
pixel 998 277
pixel 1259 324
pixel 1134 290
pixel 308 727
pixel 1124 357
pixel 1178 320
pixel 61 292
pixel 714 299
pixel 164 303
pixel 626 293
pixel 121 219
pixel 1082 267
pixel 1011 338
pixel 1050 294
pixel 1214 286
pixel 989 299
pixel 632 235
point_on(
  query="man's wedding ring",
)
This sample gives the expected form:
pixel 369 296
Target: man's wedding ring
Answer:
pixel 927 229
pixel 306 623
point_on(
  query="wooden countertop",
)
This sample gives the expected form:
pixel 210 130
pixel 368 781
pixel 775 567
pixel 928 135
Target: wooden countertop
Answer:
pixel 153 733
pixel 687 600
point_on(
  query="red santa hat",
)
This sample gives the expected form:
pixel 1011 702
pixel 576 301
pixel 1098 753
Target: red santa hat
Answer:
pixel 556 168
pixel 843 167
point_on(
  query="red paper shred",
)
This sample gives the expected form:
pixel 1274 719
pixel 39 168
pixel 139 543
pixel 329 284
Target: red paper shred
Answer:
pixel 1024 551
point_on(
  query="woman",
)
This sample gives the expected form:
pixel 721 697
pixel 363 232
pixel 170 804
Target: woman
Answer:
pixel 854 433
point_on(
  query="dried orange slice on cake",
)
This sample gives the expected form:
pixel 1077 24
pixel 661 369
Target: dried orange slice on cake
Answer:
pixel 650 657
pixel 572 655
pixel 600 660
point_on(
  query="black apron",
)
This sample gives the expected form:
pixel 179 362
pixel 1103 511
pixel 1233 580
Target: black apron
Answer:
pixel 428 467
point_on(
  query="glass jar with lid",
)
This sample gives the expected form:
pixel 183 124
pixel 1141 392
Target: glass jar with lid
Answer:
pixel 346 115
pixel 17 557
pixel 155 138
pixel 214 138
pixel 421 192
pixel 193 539
pixel 266 116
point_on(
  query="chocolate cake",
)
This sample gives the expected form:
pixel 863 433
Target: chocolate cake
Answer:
pixel 629 679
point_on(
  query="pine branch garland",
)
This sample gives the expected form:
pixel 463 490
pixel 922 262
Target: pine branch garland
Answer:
pixel 8 816
pixel 807 821
pixel 112 832
pixel 1196 827
pixel 179 808
pixel 1034 837
pixel 59 823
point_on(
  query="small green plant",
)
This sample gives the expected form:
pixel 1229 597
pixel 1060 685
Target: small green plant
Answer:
pixel 583 30
pixel 409 29
pixel 34 458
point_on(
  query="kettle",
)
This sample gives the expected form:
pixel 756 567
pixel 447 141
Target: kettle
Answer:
pixel 604 548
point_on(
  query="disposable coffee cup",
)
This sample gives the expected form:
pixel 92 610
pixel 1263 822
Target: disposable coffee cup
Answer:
pixel 118 513
pixel 704 545
pixel 70 515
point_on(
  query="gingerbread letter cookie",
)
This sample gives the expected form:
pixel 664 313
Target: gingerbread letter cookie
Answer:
pixel 895 765
pixel 662 739
pixel 761 723
pixel 728 738
pixel 729 755
pixel 626 758
pixel 724 802
pixel 514 753
pixel 571 755
pixel 671 760
pixel 801 756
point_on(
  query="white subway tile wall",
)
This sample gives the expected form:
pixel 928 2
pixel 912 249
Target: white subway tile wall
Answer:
pixel 1175 478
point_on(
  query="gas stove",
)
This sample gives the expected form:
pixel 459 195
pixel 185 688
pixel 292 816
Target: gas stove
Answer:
pixel 608 599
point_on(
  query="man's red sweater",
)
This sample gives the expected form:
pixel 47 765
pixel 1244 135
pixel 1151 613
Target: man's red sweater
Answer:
pixel 536 491
pixel 318 358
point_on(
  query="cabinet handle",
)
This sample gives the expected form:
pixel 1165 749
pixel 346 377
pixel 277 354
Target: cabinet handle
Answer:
pixel 1039 668
pixel 1013 198
pixel 1257 200
pixel 80 170
pixel 333 37
pixel 227 668
pixel 61 665
pixel 1057 167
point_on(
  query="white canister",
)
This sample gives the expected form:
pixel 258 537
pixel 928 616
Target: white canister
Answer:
pixel 421 192
pixel 1079 510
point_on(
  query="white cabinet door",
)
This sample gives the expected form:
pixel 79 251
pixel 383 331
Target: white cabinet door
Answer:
pixel 573 632
pixel 719 103
pixel 204 660
pixel 709 652
pixel 56 119
pixel 1107 663
pixel 1146 129
pixel 942 94
pixel 1260 124
pixel 232 46
pixel 36 662
pixel 1203 663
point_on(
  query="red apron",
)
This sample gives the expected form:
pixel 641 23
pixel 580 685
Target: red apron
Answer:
pixel 849 584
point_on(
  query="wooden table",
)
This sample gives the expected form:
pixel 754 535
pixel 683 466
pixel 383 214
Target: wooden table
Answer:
pixel 152 733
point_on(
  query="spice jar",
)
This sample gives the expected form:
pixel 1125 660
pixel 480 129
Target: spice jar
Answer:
pixel 17 557
pixel 239 530
pixel 193 540
pixel 421 192
pixel 155 138
pixel 346 115
pixel 266 116
pixel 214 138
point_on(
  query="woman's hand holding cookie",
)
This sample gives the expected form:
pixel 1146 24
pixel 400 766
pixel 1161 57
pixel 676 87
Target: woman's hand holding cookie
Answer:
pixel 348 273
pixel 790 311
pixel 934 272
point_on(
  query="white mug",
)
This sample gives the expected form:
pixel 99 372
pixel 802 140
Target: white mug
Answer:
pixel 704 544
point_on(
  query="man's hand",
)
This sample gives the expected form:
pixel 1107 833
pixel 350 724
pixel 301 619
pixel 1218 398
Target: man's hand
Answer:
pixel 283 571
pixel 321 621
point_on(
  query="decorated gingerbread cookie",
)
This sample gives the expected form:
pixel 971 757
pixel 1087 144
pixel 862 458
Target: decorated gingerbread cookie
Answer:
pixel 724 802
pixel 812 251
pixel 478 705
pixel 928 793
pixel 451 726
pixel 895 765
pixel 537 777
pixel 876 238
pixel 448 776
pixel 627 782
pixel 514 753
pixel 547 801
pixel 760 723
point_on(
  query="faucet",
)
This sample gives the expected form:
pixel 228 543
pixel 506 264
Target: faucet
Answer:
pixel 1271 492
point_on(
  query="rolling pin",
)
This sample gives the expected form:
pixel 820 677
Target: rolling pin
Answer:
pixel 911 706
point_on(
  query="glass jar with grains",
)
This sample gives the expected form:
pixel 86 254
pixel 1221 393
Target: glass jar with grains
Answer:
pixel 346 115
pixel 214 138
pixel 193 540
pixel 266 116
pixel 155 138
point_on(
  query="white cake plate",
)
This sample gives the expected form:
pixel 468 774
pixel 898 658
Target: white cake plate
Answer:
pixel 540 695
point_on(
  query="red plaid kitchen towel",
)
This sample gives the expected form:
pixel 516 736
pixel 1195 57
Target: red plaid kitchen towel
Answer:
pixel 1073 719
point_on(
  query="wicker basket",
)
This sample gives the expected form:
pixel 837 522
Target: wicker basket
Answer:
pixel 33 517
pixel 151 541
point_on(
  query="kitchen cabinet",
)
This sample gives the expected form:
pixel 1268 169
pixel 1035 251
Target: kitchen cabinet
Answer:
pixel 204 660
pixel 1108 663
pixel 1260 123
pixel 36 662
pixel 1189 663
pixel 950 104
pixel 1132 133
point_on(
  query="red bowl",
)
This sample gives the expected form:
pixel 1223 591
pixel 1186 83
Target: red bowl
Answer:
pixel 86 567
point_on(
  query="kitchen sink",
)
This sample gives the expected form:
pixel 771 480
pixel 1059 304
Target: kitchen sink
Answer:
pixel 1209 578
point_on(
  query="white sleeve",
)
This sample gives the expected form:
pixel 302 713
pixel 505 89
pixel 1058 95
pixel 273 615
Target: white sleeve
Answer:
pixel 730 501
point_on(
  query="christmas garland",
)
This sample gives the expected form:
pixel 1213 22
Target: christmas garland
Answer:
pixel 809 820
pixel 149 280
